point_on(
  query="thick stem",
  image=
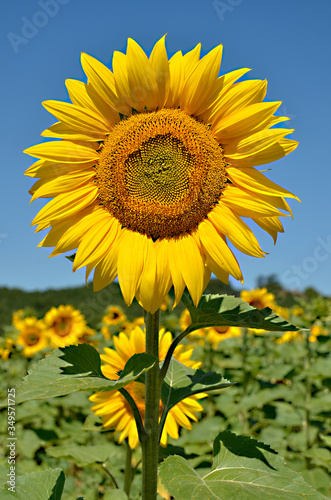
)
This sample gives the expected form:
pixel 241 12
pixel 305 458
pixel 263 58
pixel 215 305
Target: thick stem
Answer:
pixel 150 445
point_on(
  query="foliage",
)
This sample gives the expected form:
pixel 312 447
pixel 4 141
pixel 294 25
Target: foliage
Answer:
pixel 281 398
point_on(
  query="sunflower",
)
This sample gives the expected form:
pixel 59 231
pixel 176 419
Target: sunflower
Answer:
pixel 315 331
pixel 113 407
pixel 216 334
pixel 259 298
pixel 85 335
pixel 32 335
pixel 212 335
pixel 65 325
pixel 113 315
pixel 17 317
pixel 155 171
pixel 6 347
pixel 289 337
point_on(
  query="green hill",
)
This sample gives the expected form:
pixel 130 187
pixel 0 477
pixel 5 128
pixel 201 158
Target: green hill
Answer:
pixel 91 304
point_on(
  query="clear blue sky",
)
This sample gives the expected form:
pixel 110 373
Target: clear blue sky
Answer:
pixel 288 43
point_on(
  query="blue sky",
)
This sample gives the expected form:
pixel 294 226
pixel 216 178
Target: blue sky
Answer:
pixel 288 43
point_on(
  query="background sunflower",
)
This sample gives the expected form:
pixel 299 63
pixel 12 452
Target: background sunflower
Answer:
pixel 113 407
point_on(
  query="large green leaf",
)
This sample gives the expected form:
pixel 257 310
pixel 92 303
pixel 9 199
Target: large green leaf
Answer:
pixel 45 485
pixel 76 368
pixel 182 381
pixel 243 468
pixel 227 310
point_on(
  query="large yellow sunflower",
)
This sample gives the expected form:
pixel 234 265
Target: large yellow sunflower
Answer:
pixel 113 407
pixel 66 325
pixel 155 171
pixel 32 335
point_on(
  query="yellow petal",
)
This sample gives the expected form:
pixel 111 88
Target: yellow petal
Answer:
pixel 217 248
pixel 101 78
pixel 171 426
pixel 78 94
pixel 59 229
pixel 176 70
pixel 180 417
pixel 229 224
pixel 64 183
pixel 130 263
pixel 122 83
pixel 254 180
pixel 48 169
pixel 190 60
pixel 106 271
pixel 246 204
pixel 270 225
pixel 146 292
pixel 191 265
pixel 254 143
pixel 175 271
pixel 141 77
pixel 63 131
pixel 163 275
pixel 77 226
pixel 77 117
pixel 267 155
pixel 201 82
pixel 63 152
pixel 240 95
pixel 224 83
pixel 248 120
pixel 160 64
pixel 96 241
pixel 67 204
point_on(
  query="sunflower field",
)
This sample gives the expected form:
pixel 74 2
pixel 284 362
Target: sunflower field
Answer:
pixel 152 176
pixel 276 394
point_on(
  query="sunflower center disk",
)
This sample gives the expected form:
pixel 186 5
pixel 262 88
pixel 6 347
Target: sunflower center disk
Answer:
pixel 160 173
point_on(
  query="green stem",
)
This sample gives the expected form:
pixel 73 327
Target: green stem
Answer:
pixel 128 470
pixel 110 475
pixel 150 445
pixel 136 413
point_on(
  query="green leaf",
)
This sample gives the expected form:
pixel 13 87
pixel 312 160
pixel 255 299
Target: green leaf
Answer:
pixel 242 468
pixel 81 359
pixel 227 310
pixel 54 376
pixel 115 495
pixel 182 381
pixel 83 455
pixel 319 479
pixel 45 485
